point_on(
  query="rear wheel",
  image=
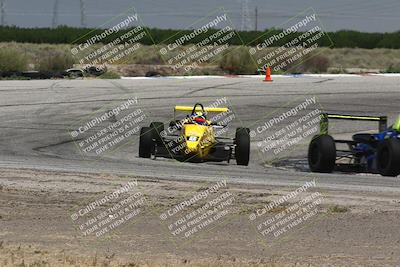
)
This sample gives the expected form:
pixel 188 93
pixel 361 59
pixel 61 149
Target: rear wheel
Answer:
pixel 322 154
pixel 242 148
pixel 388 157
pixel 157 129
pixel 146 144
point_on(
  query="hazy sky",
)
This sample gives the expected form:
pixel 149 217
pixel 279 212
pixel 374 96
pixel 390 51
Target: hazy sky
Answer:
pixel 363 15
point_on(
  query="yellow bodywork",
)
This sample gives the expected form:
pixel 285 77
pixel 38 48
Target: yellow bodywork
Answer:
pixel 199 139
pixel 207 109
pixel 396 125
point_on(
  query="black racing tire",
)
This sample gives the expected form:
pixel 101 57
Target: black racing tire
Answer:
pixel 157 128
pixel 146 145
pixel 388 157
pixel 322 154
pixel 242 148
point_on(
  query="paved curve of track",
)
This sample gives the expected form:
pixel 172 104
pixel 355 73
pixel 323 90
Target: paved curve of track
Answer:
pixel 36 116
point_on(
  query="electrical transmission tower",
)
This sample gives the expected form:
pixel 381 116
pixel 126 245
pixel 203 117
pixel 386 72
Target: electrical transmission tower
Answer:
pixel 3 12
pixel 83 13
pixel 246 22
pixel 256 19
pixel 55 14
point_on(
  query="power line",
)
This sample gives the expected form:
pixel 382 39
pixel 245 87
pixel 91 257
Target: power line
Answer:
pixel 256 19
pixel 55 14
pixel 246 23
pixel 3 12
pixel 83 14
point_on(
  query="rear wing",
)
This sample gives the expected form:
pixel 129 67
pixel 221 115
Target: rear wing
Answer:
pixel 324 123
pixel 198 108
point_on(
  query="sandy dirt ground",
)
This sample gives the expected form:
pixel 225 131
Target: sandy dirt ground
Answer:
pixel 37 226
pixel 60 207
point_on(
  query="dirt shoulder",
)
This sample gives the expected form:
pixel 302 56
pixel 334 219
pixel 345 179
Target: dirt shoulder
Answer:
pixel 49 219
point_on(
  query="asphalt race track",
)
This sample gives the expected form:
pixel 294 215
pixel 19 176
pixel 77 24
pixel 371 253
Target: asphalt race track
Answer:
pixel 36 118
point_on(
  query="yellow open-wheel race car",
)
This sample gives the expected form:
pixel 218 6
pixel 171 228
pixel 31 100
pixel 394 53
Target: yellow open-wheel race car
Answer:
pixel 194 138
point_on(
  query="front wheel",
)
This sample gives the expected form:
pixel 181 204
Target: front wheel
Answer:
pixel 146 144
pixel 242 148
pixel 157 129
pixel 322 154
pixel 388 157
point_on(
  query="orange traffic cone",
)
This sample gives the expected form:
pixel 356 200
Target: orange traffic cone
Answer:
pixel 268 75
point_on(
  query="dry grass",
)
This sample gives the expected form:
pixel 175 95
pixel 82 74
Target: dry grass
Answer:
pixel 362 58
pixel 338 209
pixel 12 60
pixel 33 53
pixel 18 256
pixel 237 60
pixel 54 60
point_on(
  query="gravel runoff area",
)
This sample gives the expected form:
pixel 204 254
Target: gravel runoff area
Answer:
pixel 46 179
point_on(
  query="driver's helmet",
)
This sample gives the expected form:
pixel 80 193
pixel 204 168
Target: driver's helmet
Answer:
pixel 199 118
pixel 396 125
